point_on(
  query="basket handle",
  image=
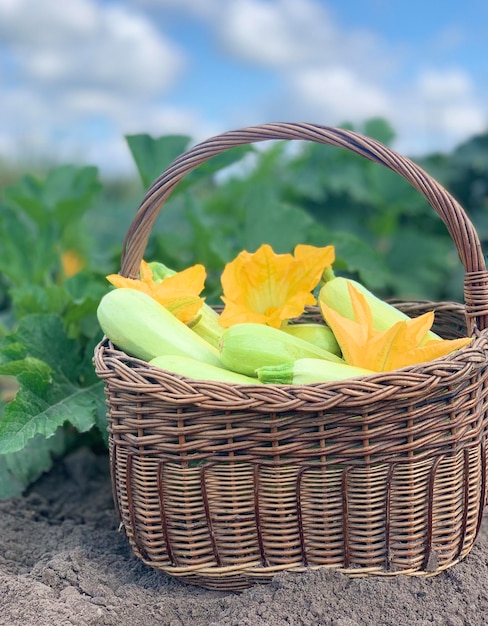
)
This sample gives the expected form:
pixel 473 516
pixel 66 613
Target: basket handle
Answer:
pixel 452 214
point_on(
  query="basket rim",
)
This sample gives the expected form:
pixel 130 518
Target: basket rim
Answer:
pixel 479 338
pixel 398 389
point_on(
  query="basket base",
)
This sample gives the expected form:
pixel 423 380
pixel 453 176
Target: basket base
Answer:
pixel 219 579
pixel 419 518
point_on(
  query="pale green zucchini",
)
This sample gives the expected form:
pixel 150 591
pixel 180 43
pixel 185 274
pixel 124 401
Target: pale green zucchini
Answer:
pixel 191 368
pixel 207 325
pixel 317 334
pixel 141 327
pixel 246 347
pixel 303 371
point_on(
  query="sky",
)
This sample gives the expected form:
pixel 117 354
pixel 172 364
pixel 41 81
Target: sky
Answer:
pixel 78 75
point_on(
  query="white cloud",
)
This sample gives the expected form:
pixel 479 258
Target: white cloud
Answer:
pixel 79 75
pixel 331 74
pixel 83 65
pixel 266 33
pixel 326 72
pixel 157 119
pixel 443 107
pixel 87 43
pixel 288 34
pixel 164 120
pixel 41 22
pixel 113 152
pixel 441 86
pixel 88 126
pixel 339 94
pixel 466 119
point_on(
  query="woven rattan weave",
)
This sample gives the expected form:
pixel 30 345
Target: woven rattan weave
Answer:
pixel 224 485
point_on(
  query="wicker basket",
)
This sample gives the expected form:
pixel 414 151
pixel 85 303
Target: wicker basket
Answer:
pixel 224 485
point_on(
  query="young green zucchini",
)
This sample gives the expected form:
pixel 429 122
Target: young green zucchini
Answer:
pixel 143 328
pixel 207 325
pixel 303 371
pixel 191 368
pixel 246 347
pixel 317 334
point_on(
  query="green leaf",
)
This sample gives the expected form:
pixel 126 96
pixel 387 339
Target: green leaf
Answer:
pixel 152 156
pixel 14 238
pixel 71 191
pixel 207 170
pixel 76 301
pixel 41 219
pixel 270 220
pixel 355 257
pixel 19 469
pixel 421 263
pixel 379 129
pixel 21 244
pixel 80 316
pixel 26 195
pixel 65 194
pixel 208 244
pixel 57 384
pixel 472 154
pixel 362 259
pixel 28 299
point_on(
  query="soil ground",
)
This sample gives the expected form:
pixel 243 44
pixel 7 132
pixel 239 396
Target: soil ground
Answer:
pixel 62 563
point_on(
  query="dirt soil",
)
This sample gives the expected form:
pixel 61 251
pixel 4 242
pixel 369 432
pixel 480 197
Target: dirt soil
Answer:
pixel 63 562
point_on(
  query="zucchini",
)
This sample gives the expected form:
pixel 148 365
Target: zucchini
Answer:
pixel 144 328
pixel 246 347
pixel 304 371
pixel 191 368
pixel 317 334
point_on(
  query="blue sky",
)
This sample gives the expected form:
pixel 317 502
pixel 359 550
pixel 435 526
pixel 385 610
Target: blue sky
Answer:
pixel 77 75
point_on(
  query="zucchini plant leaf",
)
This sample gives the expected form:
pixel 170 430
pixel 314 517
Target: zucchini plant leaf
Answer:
pixel 152 155
pixel 268 219
pixel 43 218
pixel 66 194
pixel 19 469
pixel 357 257
pixel 22 239
pixel 57 384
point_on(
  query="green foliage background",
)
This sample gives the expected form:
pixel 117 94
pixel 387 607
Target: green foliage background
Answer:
pixel 385 234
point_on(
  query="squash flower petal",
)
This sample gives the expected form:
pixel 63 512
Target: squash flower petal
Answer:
pixel 268 288
pixel 71 262
pixel 178 293
pixel 428 352
pixel 398 346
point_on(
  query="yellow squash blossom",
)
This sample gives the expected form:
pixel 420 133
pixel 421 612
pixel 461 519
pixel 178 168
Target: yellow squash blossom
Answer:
pixel 396 347
pixel 72 263
pixel 178 293
pixel 268 288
